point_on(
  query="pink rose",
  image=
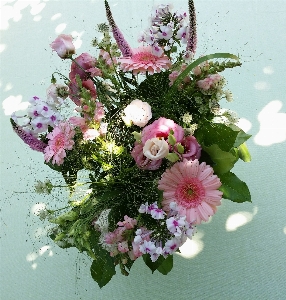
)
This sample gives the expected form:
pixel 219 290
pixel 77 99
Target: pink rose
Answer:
pixel 161 128
pixel 85 63
pixel 142 161
pixel 63 46
pixel 192 148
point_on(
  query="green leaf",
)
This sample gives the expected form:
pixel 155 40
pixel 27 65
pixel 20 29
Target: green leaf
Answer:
pixel 241 136
pixel 163 265
pixel 220 134
pixel 244 153
pixel 102 269
pixel 224 161
pixel 233 188
pixel 166 266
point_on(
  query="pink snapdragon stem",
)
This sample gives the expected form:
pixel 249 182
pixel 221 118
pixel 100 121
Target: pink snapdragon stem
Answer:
pixel 117 34
pixel 28 138
pixel 192 41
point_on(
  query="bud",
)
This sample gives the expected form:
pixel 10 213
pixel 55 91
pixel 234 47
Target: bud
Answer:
pixel 137 136
pixel 172 157
pixel 171 140
pixel 180 148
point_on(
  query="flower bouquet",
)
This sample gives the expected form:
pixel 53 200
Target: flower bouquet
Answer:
pixel 148 128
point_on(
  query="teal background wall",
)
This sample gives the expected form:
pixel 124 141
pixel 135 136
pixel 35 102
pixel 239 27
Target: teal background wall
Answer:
pixel 241 252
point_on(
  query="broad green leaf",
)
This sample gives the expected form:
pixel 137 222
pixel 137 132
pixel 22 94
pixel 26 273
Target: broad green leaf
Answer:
pixel 153 265
pixel 233 188
pixel 220 134
pixel 224 161
pixel 102 269
pixel 166 265
pixel 244 153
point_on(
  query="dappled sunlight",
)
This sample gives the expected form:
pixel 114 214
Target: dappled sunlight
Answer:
pixel 36 208
pixel 193 247
pixel 272 125
pixel 33 256
pixel 13 103
pixel 2 47
pixel 261 85
pixel 284 230
pixel 239 219
pixel 56 16
pixel 268 70
pixel 244 124
pixel 11 11
pixel 77 38
pixel 60 28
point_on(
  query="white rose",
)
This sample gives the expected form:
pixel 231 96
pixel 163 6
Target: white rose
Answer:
pixel 156 149
pixel 138 112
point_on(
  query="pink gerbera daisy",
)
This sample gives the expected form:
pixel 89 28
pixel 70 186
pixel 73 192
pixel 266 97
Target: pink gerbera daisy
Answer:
pixel 143 60
pixel 193 187
pixel 60 139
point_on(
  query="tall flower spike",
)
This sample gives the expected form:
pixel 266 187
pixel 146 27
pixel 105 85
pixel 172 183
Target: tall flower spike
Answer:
pixel 28 138
pixel 192 41
pixel 117 34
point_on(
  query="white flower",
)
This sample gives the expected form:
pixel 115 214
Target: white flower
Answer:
pixel 157 214
pixel 138 112
pixel 175 225
pixel 166 32
pixel 147 247
pixel 56 93
pixel 156 148
pixel 182 34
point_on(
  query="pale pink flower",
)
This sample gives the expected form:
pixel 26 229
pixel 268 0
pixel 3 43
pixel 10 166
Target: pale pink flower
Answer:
pixel 161 129
pixel 143 61
pixel 156 149
pixel 209 82
pixel 123 247
pixel 128 222
pixel 79 122
pixel 138 112
pixel 194 187
pixel 63 46
pixel 60 139
pixel 99 112
pixel 142 161
pixel 90 134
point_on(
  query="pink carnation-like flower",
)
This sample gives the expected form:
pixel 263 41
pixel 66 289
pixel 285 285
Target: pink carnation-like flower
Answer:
pixel 193 187
pixel 161 128
pixel 142 161
pixel 60 139
pixel 85 63
pixel 192 148
pixel 143 61
pixel 63 46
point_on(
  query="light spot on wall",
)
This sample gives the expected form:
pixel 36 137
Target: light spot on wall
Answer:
pixel 192 247
pixel 268 70
pixel 77 38
pixel 31 256
pixel 284 230
pixel 13 103
pixel 272 125
pixel 2 47
pixel 244 124
pixel 37 8
pixel 60 28
pixel 44 249
pixel 56 16
pixel 239 219
pixel 37 18
pixel 8 87
pixel 34 266
pixel 261 86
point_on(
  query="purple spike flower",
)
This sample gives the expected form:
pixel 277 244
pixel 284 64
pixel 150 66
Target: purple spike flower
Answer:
pixel 192 42
pixel 28 138
pixel 117 34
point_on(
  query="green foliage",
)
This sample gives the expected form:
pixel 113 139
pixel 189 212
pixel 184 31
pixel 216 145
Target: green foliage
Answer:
pixel 233 188
pixel 163 265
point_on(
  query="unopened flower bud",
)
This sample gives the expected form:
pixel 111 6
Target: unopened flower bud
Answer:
pixel 172 157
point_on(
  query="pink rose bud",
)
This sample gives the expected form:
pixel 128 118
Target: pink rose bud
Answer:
pixel 63 46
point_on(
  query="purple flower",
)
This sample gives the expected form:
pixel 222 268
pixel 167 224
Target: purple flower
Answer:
pixel 192 40
pixel 28 138
pixel 118 36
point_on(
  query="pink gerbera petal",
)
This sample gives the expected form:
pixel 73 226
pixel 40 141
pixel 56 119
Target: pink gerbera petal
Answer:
pixel 193 187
